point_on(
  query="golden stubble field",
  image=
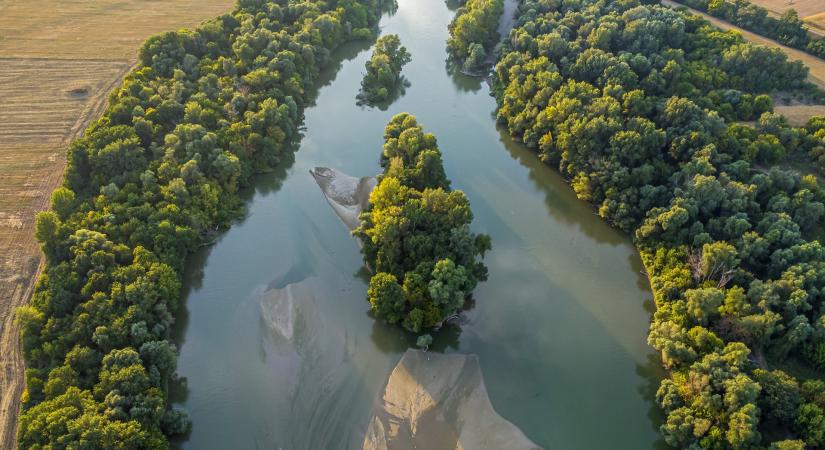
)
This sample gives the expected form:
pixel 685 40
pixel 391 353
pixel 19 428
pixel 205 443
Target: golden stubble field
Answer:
pixel 59 59
pixel 811 11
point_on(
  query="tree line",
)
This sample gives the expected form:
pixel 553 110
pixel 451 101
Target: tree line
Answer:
pixel 787 29
pixel 416 234
pixel 638 106
pixel 146 185
pixel 474 33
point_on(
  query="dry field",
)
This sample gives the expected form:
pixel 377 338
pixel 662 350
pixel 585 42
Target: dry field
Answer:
pixel 817 22
pixel 805 8
pixel 59 59
pixel 798 115
pixel 811 11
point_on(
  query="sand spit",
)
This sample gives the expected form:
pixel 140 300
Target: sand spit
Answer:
pixel 438 401
pixel 347 195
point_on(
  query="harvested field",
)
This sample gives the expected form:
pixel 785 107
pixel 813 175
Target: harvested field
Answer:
pixel 817 22
pixel 805 8
pixel 96 29
pixel 59 59
pixel 798 115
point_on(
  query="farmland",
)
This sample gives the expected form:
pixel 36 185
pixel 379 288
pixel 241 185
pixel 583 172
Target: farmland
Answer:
pixel 811 11
pixel 58 62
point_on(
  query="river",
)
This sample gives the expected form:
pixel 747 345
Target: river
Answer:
pixel 559 326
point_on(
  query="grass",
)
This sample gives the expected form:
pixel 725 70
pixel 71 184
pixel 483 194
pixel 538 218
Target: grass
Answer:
pixel 59 59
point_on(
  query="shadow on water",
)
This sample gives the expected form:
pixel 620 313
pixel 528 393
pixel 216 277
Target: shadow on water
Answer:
pixel 453 5
pixel 393 339
pixel 560 199
pixel 652 373
pixel 345 52
pixel 462 81
pixel 398 91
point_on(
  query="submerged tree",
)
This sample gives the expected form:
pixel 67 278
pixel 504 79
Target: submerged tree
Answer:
pixel 383 77
pixel 416 234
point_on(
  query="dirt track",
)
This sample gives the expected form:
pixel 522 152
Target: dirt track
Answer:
pixel 816 65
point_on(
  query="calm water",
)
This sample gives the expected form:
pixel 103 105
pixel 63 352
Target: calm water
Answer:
pixel 559 326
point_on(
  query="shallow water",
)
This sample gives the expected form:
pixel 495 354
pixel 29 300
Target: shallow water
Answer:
pixel 559 327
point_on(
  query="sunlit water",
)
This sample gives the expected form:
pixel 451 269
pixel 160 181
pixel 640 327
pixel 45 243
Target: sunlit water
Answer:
pixel 559 326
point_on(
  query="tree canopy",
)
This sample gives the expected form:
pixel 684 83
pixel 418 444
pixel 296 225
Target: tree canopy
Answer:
pixel 637 105
pixel 383 76
pixel 416 234
pixel 474 33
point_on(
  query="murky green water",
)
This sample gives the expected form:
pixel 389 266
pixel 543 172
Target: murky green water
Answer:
pixel 559 326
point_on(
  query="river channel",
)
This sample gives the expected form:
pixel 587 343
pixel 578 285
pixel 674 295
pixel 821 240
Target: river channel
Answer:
pixel 559 326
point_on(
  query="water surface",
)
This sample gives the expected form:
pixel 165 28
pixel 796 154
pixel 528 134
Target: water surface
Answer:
pixel 559 326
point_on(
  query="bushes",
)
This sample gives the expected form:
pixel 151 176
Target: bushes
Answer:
pixel 631 102
pixel 146 185
pixel 416 235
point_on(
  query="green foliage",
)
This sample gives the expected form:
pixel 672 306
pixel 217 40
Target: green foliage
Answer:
pixel 145 185
pixel 416 235
pixel 474 33
pixel 383 76
pixel 633 104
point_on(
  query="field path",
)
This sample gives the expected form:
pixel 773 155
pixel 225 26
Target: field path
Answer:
pixel 59 60
pixel 816 65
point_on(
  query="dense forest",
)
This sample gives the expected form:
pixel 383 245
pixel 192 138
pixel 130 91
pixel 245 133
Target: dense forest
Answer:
pixel 638 106
pixel 146 185
pixel 474 33
pixel 788 29
pixel 383 76
pixel 416 234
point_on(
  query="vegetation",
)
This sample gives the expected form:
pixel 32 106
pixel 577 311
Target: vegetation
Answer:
pixel 816 127
pixel 416 234
pixel 474 33
pixel 204 111
pixel 383 76
pixel 635 104
pixel 788 29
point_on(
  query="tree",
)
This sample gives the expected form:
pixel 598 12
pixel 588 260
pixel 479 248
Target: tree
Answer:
pixel 383 75
pixel 386 297
pixel 416 234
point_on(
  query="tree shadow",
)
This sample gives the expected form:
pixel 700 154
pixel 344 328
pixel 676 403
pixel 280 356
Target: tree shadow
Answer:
pixel 398 91
pixel 464 82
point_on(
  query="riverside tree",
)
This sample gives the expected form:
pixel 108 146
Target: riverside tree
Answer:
pixel 474 33
pixel 416 234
